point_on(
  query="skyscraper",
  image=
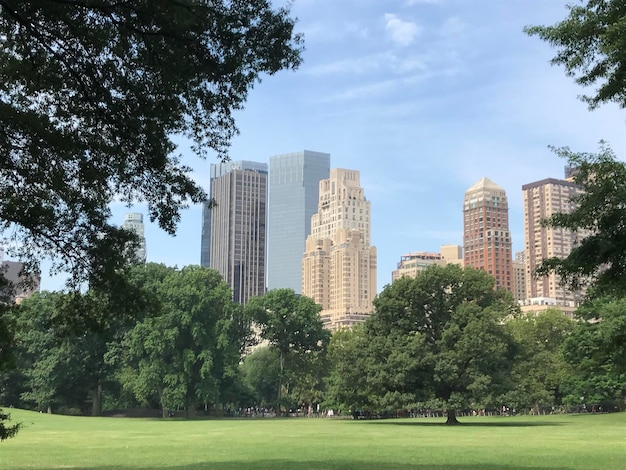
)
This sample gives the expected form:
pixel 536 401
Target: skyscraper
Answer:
pixel 133 222
pixel 339 264
pixel 486 236
pixel 293 196
pixel 541 200
pixel 234 230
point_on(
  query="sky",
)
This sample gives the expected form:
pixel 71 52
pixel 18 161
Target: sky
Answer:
pixel 424 98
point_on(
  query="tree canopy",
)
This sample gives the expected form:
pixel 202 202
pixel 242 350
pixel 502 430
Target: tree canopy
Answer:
pixel 290 323
pixel 440 335
pixel 599 218
pixel 92 94
pixel 591 46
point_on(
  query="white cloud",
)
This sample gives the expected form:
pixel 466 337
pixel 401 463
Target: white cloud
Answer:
pixel 402 32
pixel 423 2
pixel 356 65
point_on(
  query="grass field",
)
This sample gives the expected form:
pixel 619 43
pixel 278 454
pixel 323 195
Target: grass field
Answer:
pixel 555 442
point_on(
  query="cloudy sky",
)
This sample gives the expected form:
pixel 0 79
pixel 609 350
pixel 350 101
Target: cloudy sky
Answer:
pixel 424 98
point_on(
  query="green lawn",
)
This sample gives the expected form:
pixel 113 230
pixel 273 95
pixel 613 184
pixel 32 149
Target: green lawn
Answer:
pixel 557 442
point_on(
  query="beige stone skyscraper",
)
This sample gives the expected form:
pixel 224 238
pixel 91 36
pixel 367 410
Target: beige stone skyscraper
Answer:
pixel 339 264
pixel 541 199
pixel 486 236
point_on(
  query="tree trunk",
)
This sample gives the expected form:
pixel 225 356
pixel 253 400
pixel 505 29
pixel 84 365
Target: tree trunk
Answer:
pixel 452 418
pixel 96 408
pixel 280 384
pixel 49 409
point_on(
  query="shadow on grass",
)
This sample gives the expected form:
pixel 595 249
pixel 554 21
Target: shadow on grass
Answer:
pixel 465 424
pixel 342 465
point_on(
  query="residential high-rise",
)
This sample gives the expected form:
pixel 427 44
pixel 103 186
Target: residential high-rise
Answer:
pixel 234 229
pixel 411 264
pixel 519 277
pixel 486 236
pixel 339 264
pixel 452 254
pixel 133 222
pixel 541 200
pixel 414 263
pixel 293 196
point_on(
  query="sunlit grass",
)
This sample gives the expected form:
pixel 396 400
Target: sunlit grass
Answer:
pixel 558 442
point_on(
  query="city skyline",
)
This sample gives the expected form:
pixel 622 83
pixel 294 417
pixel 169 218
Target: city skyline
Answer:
pixel 423 99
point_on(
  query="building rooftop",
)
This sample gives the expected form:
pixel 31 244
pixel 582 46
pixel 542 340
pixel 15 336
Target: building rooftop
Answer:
pixel 484 183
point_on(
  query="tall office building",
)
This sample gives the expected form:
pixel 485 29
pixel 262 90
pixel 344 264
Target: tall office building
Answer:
pixel 339 264
pixel 233 230
pixel 541 199
pixel 293 196
pixel 133 222
pixel 486 236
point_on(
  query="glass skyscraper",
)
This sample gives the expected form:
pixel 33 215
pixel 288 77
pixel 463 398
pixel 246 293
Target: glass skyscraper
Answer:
pixel 293 197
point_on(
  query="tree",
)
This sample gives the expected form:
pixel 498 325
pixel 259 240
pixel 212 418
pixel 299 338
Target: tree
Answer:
pixel 442 338
pixel 292 326
pixel 539 369
pixel 596 351
pixel 592 48
pixel 600 219
pixel 92 93
pixel 260 373
pixel 6 363
pixel 186 350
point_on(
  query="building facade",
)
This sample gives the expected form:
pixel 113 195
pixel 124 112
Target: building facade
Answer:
pixel 339 263
pixel 519 277
pixel 541 200
pixel 16 284
pixel 414 263
pixel 411 264
pixel 234 229
pixel 293 196
pixel 133 222
pixel 486 236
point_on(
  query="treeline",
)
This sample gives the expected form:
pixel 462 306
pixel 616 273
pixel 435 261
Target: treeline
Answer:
pixel 176 342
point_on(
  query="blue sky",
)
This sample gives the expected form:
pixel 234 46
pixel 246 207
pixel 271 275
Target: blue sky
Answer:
pixel 423 97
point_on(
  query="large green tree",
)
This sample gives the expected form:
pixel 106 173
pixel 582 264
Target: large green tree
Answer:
pixel 591 46
pixel 440 335
pixel 290 323
pixel 92 93
pixel 186 351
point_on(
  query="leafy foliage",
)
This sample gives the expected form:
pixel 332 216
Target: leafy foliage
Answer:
pixel 186 351
pixel 290 323
pixel 592 48
pixel 539 371
pixel 597 352
pixel 92 94
pixel 600 219
pixel 440 336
